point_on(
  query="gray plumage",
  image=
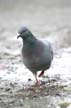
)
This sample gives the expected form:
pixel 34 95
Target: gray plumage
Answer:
pixel 37 54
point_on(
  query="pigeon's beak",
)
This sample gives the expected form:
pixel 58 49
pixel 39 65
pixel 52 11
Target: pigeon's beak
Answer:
pixel 18 36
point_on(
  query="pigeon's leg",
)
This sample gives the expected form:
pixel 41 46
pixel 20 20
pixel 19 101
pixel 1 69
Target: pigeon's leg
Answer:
pixel 41 74
pixel 37 81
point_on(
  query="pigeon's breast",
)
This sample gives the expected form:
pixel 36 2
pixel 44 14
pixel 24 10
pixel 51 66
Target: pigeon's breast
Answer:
pixel 31 58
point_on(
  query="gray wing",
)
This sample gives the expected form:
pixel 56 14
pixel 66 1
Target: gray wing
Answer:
pixel 46 56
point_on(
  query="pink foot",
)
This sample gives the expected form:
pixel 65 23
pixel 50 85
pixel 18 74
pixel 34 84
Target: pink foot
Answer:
pixel 38 82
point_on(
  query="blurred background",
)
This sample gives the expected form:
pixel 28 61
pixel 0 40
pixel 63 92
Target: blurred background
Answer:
pixel 45 18
pixel 36 14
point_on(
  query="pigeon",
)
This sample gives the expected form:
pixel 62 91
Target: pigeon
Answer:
pixel 37 54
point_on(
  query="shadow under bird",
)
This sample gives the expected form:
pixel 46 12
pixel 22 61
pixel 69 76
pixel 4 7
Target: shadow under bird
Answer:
pixel 37 54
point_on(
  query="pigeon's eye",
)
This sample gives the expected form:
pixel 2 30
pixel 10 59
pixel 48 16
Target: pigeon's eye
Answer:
pixel 24 36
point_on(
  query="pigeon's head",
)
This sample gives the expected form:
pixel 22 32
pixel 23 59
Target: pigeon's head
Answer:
pixel 27 36
pixel 24 33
